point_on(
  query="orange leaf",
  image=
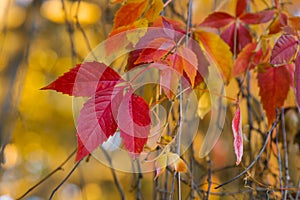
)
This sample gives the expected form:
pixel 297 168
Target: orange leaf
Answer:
pixel 129 13
pixel 249 57
pixel 217 52
pixel 274 84
pixel 294 22
pixel 187 60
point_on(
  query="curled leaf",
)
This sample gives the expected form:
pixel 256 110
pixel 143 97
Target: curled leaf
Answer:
pixel 237 134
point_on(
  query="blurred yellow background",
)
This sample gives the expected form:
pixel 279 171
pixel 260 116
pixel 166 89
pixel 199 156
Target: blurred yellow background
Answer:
pixel 37 127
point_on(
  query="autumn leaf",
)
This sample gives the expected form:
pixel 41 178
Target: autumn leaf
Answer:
pixel 154 11
pixel 129 13
pixel 155 50
pixel 85 79
pixel 240 8
pixel 274 83
pixel 235 33
pixel 236 38
pixel 96 121
pixel 297 81
pixel 294 22
pixel 251 56
pixel 216 51
pixel 237 134
pixel 217 20
pixel 134 122
pixel 284 50
pixel 169 80
pixel 169 159
pixel 186 61
pixel 280 22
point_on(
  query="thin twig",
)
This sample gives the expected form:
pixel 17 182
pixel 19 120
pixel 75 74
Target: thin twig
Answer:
pixel 298 191
pixel 192 195
pixel 256 158
pixel 286 158
pixel 60 167
pixel 70 29
pixel 209 180
pixel 139 181
pixel 119 187
pixel 64 180
pixel 279 162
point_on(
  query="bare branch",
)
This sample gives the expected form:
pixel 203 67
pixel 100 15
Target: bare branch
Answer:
pixel 64 180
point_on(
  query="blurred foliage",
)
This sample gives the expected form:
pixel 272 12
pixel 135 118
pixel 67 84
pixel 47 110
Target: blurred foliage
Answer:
pixel 37 130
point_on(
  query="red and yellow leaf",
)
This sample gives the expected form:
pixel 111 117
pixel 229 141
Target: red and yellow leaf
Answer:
pixel 237 134
pixel 169 159
pixel 186 61
pixel 284 50
pixel 279 23
pixel 155 50
pixel 274 85
pixel 129 13
pixel 217 52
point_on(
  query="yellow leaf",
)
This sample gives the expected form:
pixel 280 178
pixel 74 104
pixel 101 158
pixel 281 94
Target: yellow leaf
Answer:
pixel 134 36
pixel 204 105
pixel 154 10
pixel 217 52
pixel 160 165
pixel 175 161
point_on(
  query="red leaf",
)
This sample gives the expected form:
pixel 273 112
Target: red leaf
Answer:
pixel 217 20
pixel 85 79
pixel 243 37
pixel 274 85
pixel 284 50
pixel 81 150
pixel 248 58
pixel 155 50
pixel 237 134
pixel 134 122
pixel 129 13
pixel 241 6
pixel 257 18
pixel 297 75
pixel 96 121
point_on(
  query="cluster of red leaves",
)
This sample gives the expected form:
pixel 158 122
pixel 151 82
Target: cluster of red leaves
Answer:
pixel 234 53
pixel 107 108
